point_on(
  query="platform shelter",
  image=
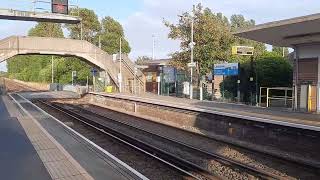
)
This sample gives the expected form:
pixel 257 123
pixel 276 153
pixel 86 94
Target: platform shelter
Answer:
pixel 303 35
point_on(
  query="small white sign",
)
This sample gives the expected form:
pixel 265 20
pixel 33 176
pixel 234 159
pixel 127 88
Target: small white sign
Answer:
pixel 114 57
pixel 74 73
pixel 158 79
pixel 194 64
pixel 119 78
pixel 142 67
pixel 192 44
pixel 186 88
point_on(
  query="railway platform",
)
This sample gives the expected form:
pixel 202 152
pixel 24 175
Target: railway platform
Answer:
pixel 36 146
pixel 265 115
pixel 18 157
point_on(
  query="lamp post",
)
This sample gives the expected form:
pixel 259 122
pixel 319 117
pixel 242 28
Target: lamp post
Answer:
pixel 153 46
pixel 120 67
pixel 52 71
pixel 192 44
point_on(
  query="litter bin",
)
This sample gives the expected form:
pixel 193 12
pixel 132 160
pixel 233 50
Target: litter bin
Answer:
pixel 109 89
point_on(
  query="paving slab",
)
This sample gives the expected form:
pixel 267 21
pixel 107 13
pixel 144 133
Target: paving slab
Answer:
pixel 18 158
pixel 94 161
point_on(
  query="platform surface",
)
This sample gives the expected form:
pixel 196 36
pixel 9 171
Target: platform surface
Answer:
pixel 18 158
pixel 284 117
pixel 94 161
pixel 50 95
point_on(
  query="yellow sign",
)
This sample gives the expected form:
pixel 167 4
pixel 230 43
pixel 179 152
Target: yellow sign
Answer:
pixel 242 50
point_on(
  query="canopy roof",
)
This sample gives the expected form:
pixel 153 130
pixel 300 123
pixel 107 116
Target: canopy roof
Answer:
pixel 286 33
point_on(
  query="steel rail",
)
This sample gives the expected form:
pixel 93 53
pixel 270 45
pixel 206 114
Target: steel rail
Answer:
pixel 258 172
pixel 177 163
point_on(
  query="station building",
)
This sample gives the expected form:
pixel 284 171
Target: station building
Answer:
pixel 160 68
pixel 303 35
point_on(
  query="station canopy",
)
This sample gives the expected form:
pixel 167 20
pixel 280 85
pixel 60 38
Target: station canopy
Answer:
pixel 286 33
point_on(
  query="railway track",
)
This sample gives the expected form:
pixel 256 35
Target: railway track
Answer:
pixel 201 173
pixel 188 168
pixel 169 157
pixel 12 86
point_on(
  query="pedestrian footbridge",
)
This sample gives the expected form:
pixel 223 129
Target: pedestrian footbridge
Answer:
pixel 20 45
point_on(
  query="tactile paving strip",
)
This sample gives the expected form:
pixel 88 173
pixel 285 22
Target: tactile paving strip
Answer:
pixel 60 165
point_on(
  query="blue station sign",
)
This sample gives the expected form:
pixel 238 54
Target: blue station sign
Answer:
pixel 226 69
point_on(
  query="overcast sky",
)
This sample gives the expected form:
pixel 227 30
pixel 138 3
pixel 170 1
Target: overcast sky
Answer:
pixel 143 18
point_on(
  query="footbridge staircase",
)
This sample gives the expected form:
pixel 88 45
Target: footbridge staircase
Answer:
pixel 20 45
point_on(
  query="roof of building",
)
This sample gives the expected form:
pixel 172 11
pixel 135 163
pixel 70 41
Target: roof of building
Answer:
pixel 286 33
pixel 158 62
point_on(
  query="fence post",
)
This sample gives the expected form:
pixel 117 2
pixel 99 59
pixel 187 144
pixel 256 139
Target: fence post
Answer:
pixel 285 97
pixel 267 97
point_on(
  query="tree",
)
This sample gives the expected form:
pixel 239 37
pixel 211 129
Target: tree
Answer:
pixel 27 68
pixel 37 68
pixel 281 51
pixel 212 37
pixel 110 36
pixel 44 29
pixel 142 60
pixel 90 25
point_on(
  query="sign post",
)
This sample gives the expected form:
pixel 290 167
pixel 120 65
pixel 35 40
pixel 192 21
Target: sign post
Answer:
pixel 93 73
pixel 74 74
pixel 158 81
pixel 191 65
pixel 246 51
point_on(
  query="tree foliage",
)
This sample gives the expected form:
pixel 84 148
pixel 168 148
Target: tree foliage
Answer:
pixel 110 36
pixel 38 68
pixel 272 70
pixel 90 25
pixel 212 36
pixel 46 30
pixel 238 22
pixel 281 51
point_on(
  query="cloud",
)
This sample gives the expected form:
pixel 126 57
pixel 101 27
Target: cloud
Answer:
pixel 140 26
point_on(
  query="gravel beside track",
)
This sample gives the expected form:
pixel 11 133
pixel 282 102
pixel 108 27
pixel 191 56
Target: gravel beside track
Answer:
pixel 146 165
pixel 205 161
pixel 275 166
pixel 282 168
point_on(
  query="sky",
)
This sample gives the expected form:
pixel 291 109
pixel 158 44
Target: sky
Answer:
pixel 143 18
